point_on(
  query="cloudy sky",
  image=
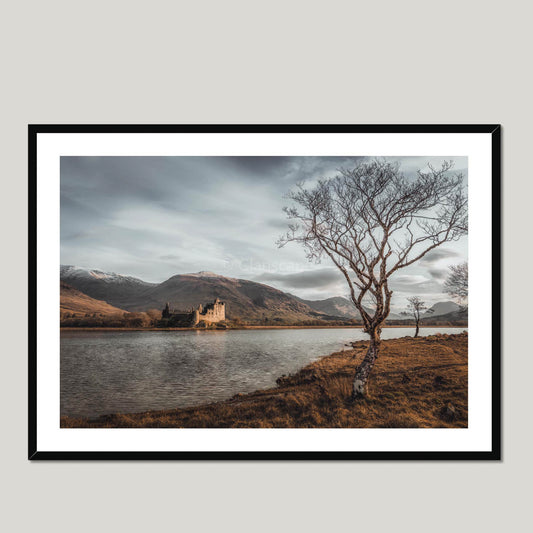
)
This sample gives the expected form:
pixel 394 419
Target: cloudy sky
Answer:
pixel 154 217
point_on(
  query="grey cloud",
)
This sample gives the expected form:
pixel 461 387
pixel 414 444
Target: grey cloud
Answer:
pixel 437 255
pixel 153 217
pixel 77 218
pixel 414 284
pixel 280 224
pixel 438 273
pixel 262 167
pixel 310 279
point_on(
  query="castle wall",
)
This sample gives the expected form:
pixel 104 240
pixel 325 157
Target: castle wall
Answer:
pixel 181 320
pixel 212 313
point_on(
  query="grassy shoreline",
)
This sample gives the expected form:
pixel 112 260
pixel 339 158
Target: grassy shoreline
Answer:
pixel 415 383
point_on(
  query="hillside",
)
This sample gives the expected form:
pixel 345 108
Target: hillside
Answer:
pixel 115 289
pixel 416 383
pixel 243 299
pixel 341 307
pixel 442 308
pixel 335 306
pixel 74 302
pixel 459 317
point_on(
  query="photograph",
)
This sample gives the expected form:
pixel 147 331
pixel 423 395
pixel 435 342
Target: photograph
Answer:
pixel 237 291
pixel 266 266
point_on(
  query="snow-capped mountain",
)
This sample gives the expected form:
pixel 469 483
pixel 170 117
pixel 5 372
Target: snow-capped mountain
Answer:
pixel 115 289
pixel 76 272
pixel 207 274
pixel 243 298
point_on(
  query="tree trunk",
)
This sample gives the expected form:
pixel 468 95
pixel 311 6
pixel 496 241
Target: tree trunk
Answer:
pixel 363 371
pixel 416 331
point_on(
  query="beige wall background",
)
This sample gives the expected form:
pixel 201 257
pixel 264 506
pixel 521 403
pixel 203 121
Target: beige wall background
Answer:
pixel 266 62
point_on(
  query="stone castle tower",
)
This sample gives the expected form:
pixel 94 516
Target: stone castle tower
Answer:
pixel 213 312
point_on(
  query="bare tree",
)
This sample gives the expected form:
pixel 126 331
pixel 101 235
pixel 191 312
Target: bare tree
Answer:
pixel 372 221
pixel 456 284
pixel 415 306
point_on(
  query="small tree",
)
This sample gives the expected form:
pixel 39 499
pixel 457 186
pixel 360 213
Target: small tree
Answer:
pixel 456 284
pixel 372 221
pixel 415 306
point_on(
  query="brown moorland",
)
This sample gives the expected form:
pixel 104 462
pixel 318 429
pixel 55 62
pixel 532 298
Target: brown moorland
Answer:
pixel 416 383
pixel 74 302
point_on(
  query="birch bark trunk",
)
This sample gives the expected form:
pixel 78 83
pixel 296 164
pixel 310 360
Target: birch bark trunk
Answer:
pixel 364 369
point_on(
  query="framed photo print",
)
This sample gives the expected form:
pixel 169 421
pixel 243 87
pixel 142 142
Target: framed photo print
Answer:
pixel 264 292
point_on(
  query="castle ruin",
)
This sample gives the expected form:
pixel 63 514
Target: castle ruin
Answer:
pixel 210 313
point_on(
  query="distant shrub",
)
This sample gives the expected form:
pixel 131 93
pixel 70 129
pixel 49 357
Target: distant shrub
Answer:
pixel 125 320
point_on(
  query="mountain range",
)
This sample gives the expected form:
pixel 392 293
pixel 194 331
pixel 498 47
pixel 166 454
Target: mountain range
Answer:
pixel 244 299
pixel 442 308
pixel 341 307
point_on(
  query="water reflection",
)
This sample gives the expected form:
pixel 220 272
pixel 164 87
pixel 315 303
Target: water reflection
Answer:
pixel 130 371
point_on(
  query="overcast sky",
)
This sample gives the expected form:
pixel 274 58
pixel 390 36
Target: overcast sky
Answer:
pixel 154 217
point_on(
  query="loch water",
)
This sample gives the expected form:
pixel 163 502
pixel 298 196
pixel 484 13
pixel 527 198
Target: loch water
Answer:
pixel 105 372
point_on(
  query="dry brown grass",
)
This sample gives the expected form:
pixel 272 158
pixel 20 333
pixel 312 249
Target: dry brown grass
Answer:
pixel 416 383
pixel 76 302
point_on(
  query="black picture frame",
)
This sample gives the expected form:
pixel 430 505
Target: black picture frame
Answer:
pixel 494 454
